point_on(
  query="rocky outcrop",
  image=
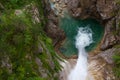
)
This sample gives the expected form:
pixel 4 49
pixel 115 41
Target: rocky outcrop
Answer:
pixel 112 34
pixel 99 69
pixel 107 55
pixel 110 38
pixel 106 8
pixel 91 8
pixel 52 29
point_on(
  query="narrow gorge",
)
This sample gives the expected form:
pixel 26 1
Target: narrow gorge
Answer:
pixel 75 14
pixel 59 39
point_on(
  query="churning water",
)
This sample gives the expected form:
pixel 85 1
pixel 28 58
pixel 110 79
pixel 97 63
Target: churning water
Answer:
pixel 83 39
pixel 70 27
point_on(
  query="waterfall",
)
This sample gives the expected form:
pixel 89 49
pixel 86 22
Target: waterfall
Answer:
pixel 83 39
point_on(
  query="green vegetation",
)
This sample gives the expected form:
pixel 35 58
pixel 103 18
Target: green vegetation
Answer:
pixel 116 68
pixel 118 2
pixel 26 53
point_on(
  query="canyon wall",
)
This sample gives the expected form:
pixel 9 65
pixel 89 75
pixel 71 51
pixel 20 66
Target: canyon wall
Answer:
pixel 107 12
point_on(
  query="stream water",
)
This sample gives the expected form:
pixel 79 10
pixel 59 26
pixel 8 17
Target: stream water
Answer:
pixel 83 39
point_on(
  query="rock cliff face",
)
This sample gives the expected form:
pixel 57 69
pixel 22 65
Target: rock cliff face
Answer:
pixel 52 28
pixel 101 9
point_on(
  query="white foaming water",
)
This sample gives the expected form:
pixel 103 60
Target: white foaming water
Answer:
pixel 83 39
